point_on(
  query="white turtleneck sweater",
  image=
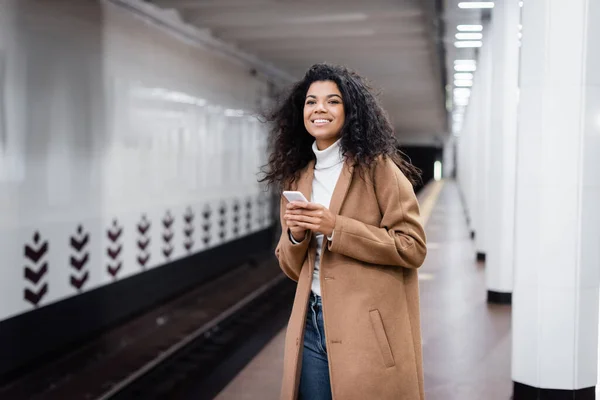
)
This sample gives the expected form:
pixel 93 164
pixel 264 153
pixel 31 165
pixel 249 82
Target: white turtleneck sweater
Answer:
pixel 327 171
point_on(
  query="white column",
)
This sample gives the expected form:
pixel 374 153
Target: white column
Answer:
pixel 464 168
pixel 471 119
pixel 449 154
pixel 502 145
pixel 557 225
pixel 483 85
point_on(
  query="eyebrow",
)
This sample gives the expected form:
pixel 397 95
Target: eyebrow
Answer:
pixel 328 96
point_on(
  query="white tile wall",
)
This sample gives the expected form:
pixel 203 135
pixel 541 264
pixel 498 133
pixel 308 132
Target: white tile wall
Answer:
pixel 106 117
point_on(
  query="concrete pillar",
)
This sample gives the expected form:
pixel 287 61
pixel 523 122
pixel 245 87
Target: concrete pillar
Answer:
pixel 483 86
pixel 502 145
pixel 557 224
pixel 471 131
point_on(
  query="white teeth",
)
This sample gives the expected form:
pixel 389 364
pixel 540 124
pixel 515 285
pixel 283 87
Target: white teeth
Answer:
pixel 320 121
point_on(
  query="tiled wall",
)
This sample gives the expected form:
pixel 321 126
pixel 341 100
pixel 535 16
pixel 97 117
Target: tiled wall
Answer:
pixel 122 148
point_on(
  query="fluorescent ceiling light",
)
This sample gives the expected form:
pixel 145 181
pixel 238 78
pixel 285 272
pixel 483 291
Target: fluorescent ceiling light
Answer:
pixel 464 75
pixel 469 36
pixel 476 4
pixel 469 28
pixel 463 83
pixel 520 4
pixel 468 43
pixel 465 68
pixel 462 92
pixel 462 62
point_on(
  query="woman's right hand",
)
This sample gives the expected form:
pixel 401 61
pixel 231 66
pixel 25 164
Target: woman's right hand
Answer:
pixel 298 232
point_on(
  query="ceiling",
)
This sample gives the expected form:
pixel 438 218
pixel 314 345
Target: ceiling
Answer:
pixel 394 43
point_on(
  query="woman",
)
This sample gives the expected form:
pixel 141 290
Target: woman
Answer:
pixel 354 331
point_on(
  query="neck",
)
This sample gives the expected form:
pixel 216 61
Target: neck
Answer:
pixel 323 144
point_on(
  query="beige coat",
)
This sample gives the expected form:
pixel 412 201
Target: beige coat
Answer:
pixel 369 287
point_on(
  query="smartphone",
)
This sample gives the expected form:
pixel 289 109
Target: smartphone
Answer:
pixel 294 196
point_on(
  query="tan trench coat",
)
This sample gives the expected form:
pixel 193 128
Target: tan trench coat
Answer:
pixel 369 287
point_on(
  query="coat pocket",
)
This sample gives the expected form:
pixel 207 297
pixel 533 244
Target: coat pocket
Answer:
pixel 382 340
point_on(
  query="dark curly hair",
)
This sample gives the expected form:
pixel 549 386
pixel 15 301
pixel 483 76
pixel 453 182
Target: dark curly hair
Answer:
pixel 366 134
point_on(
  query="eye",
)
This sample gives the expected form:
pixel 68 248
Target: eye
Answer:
pixel 334 102
pixel 310 102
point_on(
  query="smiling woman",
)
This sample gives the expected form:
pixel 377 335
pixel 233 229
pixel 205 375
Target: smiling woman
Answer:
pixel 354 248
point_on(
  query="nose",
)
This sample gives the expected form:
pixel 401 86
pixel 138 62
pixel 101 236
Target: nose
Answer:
pixel 320 107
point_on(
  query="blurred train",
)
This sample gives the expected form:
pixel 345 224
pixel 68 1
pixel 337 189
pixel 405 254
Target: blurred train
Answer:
pixel 129 153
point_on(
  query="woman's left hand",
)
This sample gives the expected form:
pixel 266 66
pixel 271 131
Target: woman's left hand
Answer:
pixel 313 216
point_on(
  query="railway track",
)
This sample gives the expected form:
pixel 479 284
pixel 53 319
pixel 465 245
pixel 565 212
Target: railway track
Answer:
pixel 191 345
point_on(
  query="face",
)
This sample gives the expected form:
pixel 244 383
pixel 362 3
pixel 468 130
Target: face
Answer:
pixel 324 113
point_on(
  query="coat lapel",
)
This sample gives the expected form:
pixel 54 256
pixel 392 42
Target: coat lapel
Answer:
pixel 341 187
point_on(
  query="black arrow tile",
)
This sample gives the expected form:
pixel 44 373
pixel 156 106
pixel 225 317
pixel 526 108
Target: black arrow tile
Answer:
pixel 188 218
pixel 78 245
pixel 114 236
pixel 142 245
pixel 143 260
pixel 34 276
pixel 167 237
pixel 36 255
pixel 113 271
pixel 79 264
pixel 168 221
pixel 114 253
pixel 78 283
pixel 35 297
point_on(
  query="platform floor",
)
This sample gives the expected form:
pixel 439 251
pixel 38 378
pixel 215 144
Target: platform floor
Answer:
pixel 466 342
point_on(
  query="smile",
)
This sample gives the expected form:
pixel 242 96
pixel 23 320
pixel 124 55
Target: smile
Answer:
pixel 321 122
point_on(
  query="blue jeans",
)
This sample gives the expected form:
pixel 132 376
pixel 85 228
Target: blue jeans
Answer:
pixel 314 378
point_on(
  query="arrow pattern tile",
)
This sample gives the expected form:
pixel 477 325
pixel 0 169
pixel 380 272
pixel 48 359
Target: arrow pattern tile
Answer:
pixel 206 225
pixel 244 214
pixel 79 259
pixel 143 241
pixel 113 251
pixel 35 270
pixel 188 230
pixel 167 235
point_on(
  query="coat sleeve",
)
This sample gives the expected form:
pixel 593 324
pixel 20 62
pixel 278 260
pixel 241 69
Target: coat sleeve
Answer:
pixel 291 256
pixel 400 239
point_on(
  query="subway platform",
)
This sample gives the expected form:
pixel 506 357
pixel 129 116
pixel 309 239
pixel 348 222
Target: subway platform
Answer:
pixel 466 340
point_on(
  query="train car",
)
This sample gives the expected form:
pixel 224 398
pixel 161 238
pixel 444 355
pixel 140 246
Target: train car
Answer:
pixel 129 153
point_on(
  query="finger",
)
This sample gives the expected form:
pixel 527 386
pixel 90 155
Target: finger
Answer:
pixel 295 204
pixel 305 218
pixel 312 206
pixel 290 222
pixel 306 225
pixel 310 213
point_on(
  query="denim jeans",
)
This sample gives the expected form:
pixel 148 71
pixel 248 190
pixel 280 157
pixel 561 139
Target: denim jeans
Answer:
pixel 314 378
